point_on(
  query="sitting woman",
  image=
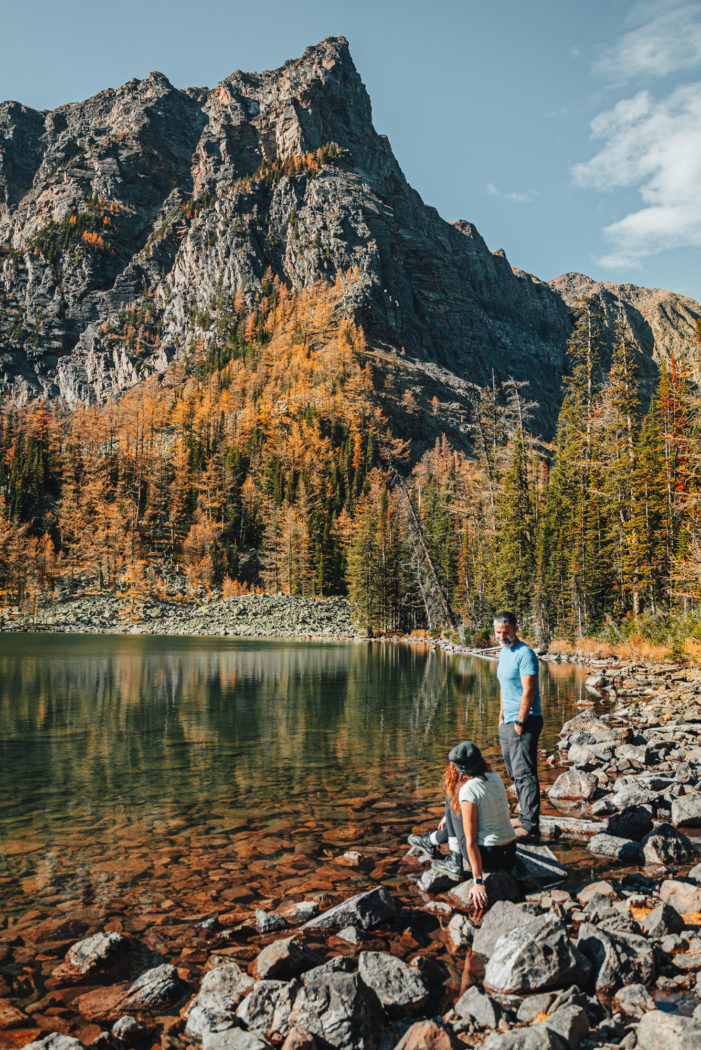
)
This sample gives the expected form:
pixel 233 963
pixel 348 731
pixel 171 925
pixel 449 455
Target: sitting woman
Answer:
pixel 476 824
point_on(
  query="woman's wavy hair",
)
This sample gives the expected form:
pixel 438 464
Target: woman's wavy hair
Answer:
pixel 453 780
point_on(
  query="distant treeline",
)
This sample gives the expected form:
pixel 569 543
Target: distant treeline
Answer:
pixel 263 459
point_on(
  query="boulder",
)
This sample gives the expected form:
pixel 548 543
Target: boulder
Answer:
pixel 631 823
pixel 429 1035
pixel 340 1009
pixel 616 958
pixel 537 1037
pixel 537 867
pixel 214 1007
pixel 398 986
pixel 268 1005
pixel 500 886
pixel 634 1000
pixel 299 1039
pixel 658 1029
pixel 282 959
pixel 434 881
pixel 460 930
pixel 157 987
pixel 365 909
pixel 684 896
pixel 269 921
pixel 600 888
pixel 574 784
pixel 535 957
pixel 571 1022
pixel 534 1007
pixel 624 850
pixel 662 920
pixel 686 811
pixel 102 953
pixel 479 1007
pixel 502 918
pixel 235 1039
pixel 55 1041
pixel 695 873
pixel 666 845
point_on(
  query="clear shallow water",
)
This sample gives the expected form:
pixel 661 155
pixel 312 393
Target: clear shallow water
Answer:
pixel 138 773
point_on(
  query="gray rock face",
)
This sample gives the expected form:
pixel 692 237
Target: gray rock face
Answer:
pixel 570 1022
pixel 663 920
pixel 535 957
pixel 537 1037
pixel 214 1007
pixel 398 986
pixel 147 198
pixel 634 1000
pixel 235 1039
pixel 684 896
pixel 341 1009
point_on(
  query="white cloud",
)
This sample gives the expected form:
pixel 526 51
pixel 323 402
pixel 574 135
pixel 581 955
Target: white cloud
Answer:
pixel 654 147
pixel 521 198
pixel 666 39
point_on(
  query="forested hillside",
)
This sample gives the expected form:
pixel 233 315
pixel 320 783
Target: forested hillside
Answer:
pixel 264 460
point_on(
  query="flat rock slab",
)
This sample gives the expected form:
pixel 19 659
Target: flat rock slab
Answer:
pixel 365 909
pixel 537 866
pixel 624 850
pixel 569 827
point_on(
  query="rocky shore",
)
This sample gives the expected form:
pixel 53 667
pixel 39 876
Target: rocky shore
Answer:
pixel 613 962
pixel 244 616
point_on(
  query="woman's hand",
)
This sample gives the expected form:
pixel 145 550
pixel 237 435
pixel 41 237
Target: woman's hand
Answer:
pixel 442 823
pixel 478 895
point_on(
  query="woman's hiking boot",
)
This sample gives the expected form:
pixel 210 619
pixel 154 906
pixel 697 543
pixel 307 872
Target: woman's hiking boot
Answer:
pixel 451 865
pixel 423 842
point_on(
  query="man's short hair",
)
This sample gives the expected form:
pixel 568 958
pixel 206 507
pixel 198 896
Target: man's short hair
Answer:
pixel 503 619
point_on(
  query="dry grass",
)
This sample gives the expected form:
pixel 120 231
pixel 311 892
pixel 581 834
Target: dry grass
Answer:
pixel 638 648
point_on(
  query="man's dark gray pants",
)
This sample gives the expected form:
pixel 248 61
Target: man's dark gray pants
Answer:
pixel 521 761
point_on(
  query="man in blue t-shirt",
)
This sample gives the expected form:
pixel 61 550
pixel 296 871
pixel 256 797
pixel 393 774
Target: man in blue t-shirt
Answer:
pixel 520 720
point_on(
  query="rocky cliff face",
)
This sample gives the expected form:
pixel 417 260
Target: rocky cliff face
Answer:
pixel 149 207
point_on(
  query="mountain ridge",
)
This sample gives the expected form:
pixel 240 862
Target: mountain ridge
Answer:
pixel 152 200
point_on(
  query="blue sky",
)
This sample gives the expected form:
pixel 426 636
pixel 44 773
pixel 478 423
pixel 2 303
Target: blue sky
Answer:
pixel 570 134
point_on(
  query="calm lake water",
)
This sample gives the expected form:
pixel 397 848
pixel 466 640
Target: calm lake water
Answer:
pixel 146 776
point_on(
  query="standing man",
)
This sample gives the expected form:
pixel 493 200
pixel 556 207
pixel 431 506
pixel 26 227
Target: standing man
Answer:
pixel 520 720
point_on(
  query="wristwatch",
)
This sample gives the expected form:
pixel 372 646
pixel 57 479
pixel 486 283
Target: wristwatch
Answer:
pixel 479 881
pixel 517 723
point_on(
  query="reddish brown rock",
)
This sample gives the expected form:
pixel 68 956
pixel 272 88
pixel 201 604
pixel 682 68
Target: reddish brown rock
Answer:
pixel 283 959
pixel 10 1016
pixel 428 1035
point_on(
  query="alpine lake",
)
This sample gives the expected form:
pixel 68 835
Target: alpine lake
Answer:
pixel 165 787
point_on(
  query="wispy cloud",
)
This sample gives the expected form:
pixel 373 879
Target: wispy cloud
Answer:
pixel 647 143
pixel 666 38
pixel 522 198
pixel 655 147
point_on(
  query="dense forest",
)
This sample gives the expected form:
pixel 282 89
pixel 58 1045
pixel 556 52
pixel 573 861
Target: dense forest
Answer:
pixel 263 460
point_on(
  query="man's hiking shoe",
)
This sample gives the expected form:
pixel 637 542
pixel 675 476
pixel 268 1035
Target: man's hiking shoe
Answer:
pixel 451 866
pixel 423 842
pixel 524 835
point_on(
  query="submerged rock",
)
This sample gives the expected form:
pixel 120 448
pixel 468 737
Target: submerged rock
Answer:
pixel 365 909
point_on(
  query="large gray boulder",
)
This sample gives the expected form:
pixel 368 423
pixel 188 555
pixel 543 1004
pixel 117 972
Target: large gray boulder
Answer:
pixel 535 957
pixel 662 1031
pixel 666 845
pixel 624 850
pixel 686 811
pixel 683 895
pixel 340 1009
pixel 574 785
pixel 399 987
pixel 631 823
pixel 214 1007
pixel 483 1009
pixel 502 918
pixel 268 1005
pixel 159 986
pixel 285 958
pixel 365 909
pixel 616 958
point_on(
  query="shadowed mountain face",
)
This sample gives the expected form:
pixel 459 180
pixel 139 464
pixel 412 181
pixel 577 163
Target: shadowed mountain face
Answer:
pixel 149 207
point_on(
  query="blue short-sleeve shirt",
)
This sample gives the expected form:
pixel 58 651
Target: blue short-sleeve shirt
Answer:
pixel 514 662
